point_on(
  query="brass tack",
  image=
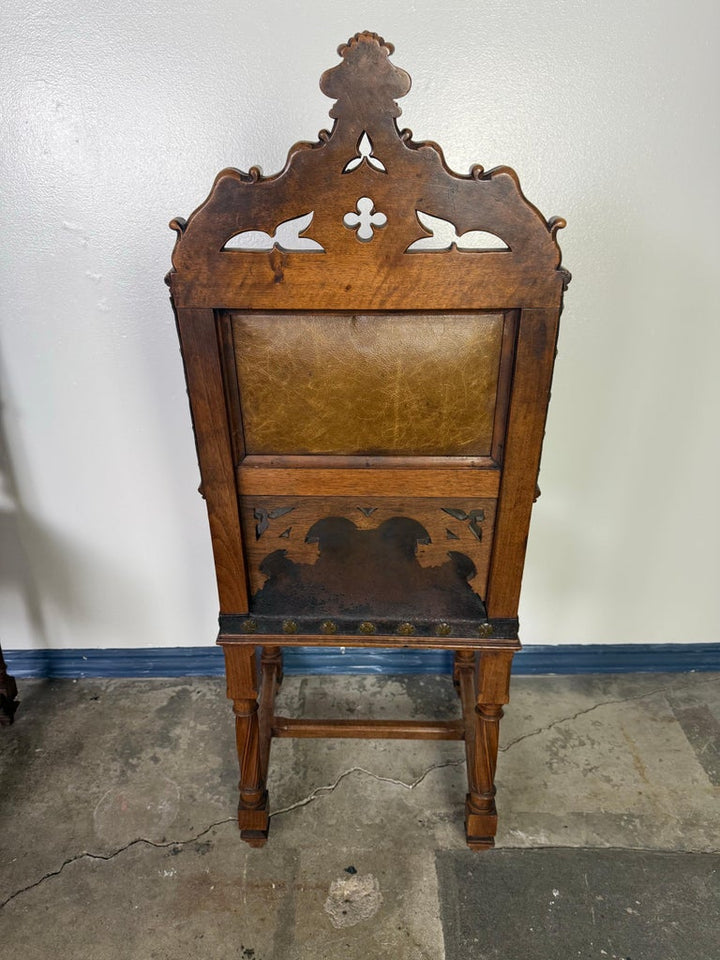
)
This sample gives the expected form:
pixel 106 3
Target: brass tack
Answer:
pixel 327 626
pixel 250 626
pixel 406 629
pixel 443 629
pixel 367 627
pixel 290 626
pixel 485 630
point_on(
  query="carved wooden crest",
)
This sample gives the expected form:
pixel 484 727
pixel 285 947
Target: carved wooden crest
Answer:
pixel 364 194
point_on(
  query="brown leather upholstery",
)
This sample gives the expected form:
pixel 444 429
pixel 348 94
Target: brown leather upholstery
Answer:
pixel 368 383
pixel 285 523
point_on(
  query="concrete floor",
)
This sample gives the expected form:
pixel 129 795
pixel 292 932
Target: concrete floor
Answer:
pixel 117 835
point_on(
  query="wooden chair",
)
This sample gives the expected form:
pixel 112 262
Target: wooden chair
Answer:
pixel 369 392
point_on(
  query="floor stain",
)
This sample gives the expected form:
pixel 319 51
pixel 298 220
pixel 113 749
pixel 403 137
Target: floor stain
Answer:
pixel 353 899
pixel 634 753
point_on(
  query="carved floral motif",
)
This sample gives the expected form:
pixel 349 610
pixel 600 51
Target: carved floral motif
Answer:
pixel 475 518
pixel 264 517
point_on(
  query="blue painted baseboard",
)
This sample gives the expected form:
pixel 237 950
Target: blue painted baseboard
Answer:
pixel 208 661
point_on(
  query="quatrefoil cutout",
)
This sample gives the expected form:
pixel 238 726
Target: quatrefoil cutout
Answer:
pixel 365 221
pixel 364 155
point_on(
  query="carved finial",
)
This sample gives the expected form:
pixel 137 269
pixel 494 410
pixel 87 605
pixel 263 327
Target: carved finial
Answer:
pixel 178 225
pixel 365 72
pixel 365 36
pixel 554 224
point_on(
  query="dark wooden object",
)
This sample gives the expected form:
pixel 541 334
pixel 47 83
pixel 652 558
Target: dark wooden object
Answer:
pixel 8 694
pixel 369 407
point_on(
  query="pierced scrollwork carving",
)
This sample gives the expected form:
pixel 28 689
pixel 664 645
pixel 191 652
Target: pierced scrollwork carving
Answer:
pixel 453 512
pixel 264 517
pixel 476 517
pixel 366 147
pixel 443 236
pixel 364 155
pixel 288 236
pixel 473 518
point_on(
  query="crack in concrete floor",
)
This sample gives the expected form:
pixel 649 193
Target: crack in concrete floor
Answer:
pixel 327 789
pixel 603 703
pixel 111 856
pixel 319 791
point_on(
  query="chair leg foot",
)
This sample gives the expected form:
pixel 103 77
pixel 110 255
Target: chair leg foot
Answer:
pixel 8 706
pixel 253 838
pixel 254 824
pixel 8 695
pixel 480 826
pixel 480 843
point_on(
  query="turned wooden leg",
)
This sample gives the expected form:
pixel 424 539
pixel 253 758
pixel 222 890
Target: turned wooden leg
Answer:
pixel 272 659
pixel 271 677
pixel 242 689
pixel 8 693
pixel 492 691
pixel 461 660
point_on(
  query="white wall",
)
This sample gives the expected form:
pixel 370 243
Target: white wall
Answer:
pixel 116 117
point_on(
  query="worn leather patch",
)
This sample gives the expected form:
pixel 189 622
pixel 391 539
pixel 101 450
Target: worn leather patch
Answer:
pixel 372 384
pixel 379 556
